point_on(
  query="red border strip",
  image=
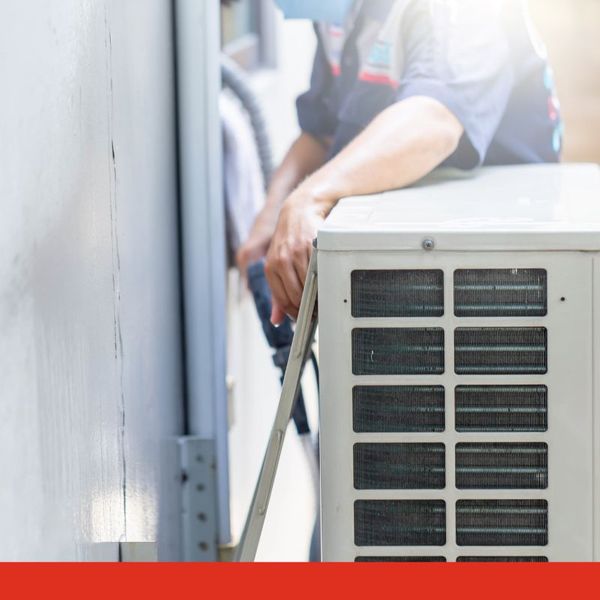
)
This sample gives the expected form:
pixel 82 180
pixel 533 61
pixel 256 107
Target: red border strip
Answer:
pixel 378 79
pixel 288 581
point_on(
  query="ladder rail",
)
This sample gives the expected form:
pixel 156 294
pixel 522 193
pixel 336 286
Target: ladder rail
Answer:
pixel 299 353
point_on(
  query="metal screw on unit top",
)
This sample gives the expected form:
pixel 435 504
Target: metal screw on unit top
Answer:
pixel 428 244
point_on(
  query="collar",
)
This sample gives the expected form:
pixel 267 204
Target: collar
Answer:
pixel 378 10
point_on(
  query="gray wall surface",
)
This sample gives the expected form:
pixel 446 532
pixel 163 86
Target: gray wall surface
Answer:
pixel 90 357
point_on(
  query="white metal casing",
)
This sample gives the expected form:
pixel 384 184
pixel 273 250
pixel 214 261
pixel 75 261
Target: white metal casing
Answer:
pixel 525 208
pixel 536 217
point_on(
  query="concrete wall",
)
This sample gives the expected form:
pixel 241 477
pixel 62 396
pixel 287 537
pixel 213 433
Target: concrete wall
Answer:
pixel 90 359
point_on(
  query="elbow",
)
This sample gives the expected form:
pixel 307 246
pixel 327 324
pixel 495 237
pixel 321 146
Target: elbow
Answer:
pixel 449 136
pixel 446 130
pixel 442 131
pixel 445 141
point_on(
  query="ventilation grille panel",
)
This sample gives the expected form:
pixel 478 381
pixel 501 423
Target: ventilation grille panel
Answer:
pixel 399 466
pixel 501 351
pixel 394 351
pixel 500 293
pixel 400 559
pixel 398 409
pixel 508 559
pixel 502 466
pixel 399 523
pixel 397 293
pixel 498 408
pixel 502 522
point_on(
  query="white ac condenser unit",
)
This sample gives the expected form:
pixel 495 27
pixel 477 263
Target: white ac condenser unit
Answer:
pixel 460 369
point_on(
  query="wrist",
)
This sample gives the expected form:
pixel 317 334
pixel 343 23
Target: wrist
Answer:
pixel 318 196
pixel 267 218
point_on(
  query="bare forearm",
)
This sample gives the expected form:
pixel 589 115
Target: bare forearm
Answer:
pixel 402 145
pixel 305 156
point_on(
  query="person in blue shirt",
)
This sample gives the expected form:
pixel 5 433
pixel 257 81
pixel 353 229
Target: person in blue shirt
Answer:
pixel 399 88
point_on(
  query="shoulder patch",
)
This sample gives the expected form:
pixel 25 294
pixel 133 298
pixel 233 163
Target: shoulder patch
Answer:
pixel 384 60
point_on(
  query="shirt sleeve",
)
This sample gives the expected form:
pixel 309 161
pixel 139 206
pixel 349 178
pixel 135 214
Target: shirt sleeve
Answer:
pixel 315 115
pixel 458 52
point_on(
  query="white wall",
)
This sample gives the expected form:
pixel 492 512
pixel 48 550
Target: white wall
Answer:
pixel 89 308
pixel 290 520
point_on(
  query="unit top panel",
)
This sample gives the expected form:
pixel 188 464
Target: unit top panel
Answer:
pixel 528 207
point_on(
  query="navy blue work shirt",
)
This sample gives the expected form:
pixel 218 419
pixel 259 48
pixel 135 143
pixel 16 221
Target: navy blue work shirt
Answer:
pixel 482 59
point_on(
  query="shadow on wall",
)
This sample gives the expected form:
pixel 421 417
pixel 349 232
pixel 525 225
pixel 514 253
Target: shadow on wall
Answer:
pixel 570 29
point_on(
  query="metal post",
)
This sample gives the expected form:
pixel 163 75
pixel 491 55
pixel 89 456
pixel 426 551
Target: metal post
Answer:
pixel 197 25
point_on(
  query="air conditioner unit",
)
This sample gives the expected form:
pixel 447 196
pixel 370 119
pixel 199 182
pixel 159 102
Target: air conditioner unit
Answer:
pixel 460 368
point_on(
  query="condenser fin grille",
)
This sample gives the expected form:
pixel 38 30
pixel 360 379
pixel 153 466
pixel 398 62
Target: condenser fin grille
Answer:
pixel 502 466
pixel 398 351
pixel 500 293
pixel 399 522
pixel 502 522
pixel 398 409
pixel 397 293
pixel 399 466
pixel 501 351
pixel 498 408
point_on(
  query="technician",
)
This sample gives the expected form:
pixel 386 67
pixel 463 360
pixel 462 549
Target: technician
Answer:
pixel 400 87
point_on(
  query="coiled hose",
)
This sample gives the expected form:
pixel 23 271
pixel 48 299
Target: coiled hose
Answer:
pixel 235 79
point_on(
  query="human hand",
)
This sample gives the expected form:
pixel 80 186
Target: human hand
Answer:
pixel 290 251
